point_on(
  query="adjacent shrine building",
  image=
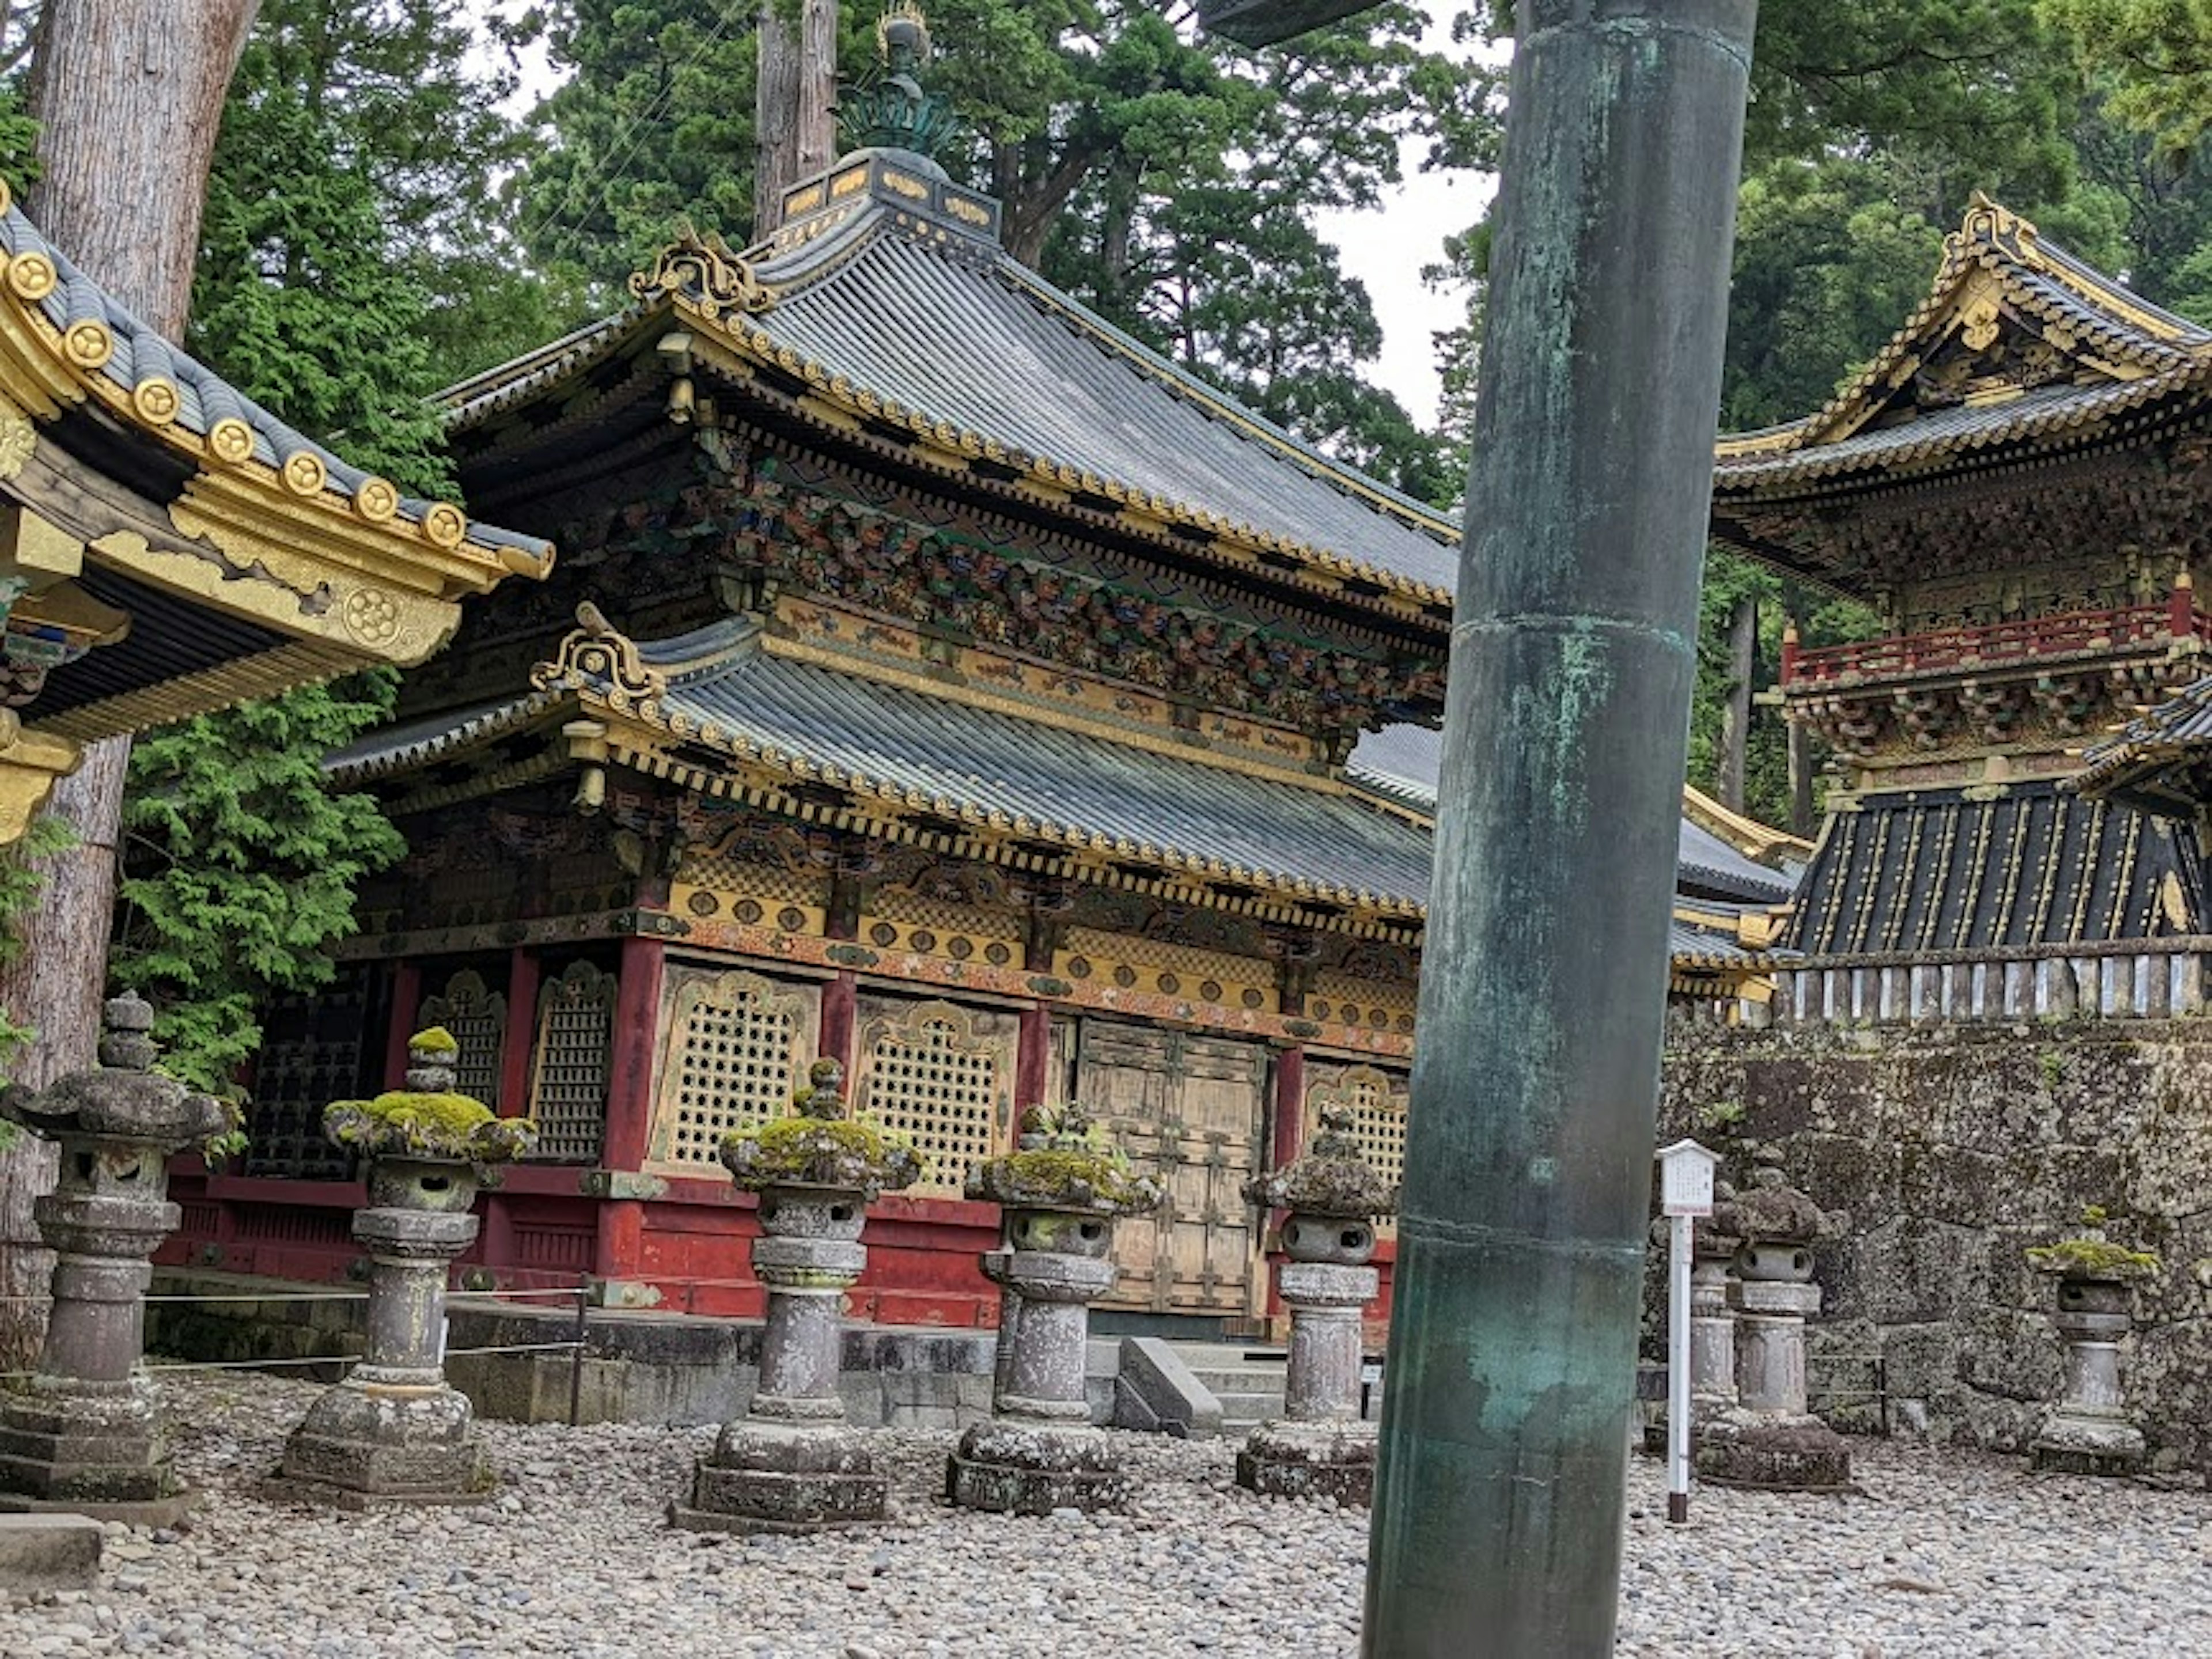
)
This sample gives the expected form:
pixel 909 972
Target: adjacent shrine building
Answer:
pixel 935 678
pixel 2019 484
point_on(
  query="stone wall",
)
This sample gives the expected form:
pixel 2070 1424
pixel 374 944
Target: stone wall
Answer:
pixel 1953 1151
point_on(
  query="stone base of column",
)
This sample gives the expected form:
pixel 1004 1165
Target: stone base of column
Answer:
pixel 786 1478
pixel 1009 1466
pixel 2089 1442
pixel 1773 1454
pixel 101 1453
pixel 373 1445
pixel 1310 1460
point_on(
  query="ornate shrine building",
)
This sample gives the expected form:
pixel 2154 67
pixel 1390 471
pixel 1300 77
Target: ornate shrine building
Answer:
pixel 937 680
pixel 168 547
pixel 2019 484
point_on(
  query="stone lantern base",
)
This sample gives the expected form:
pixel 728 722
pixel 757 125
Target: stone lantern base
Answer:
pixel 367 1445
pixel 2087 1442
pixel 1310 1460
pixel 1010 1466
pixel 1796 1454
pixel 104 1454
pixel 786 1478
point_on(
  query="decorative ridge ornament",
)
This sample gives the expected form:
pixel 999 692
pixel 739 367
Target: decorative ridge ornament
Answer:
pixel 701 268
pixel 889 110
pixel 594 656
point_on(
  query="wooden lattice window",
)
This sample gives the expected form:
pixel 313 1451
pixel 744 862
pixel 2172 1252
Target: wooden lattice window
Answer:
pixel 933 1076
pixel 736 1047
pixel 1376 1103
pixel 311 1054
pixel 476 1016
pixel 568 1089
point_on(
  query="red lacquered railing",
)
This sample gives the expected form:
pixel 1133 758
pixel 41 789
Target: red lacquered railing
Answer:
pixel 2062 633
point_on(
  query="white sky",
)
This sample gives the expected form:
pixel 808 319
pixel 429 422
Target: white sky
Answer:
pixel 1385 248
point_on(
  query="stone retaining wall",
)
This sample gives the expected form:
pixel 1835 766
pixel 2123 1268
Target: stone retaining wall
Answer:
pixel 1953 1151
pixel 638 1367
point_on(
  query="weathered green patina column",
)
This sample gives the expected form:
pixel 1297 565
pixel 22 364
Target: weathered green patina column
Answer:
pixel 1498 1503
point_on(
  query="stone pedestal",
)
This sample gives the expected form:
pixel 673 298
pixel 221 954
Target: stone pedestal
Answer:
pixel 791 1464
pixel 85 1434
pixel 1039 1453
pixel 1712 1334
pixel 394 1432
pixel 1319 1447
pixel 1770 1440
pixel 2089 1430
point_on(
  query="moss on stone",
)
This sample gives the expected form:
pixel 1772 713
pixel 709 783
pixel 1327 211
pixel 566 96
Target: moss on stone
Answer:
pixel 411 1123
pixel 435 1041
pixel 2092 1258
pixel 819 1152
pixel 1064 1177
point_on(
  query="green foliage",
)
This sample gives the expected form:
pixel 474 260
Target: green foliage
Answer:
pixel 241 867
pixel 2156 56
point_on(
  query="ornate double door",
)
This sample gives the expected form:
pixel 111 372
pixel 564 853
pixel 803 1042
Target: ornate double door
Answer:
pixel 1193 1110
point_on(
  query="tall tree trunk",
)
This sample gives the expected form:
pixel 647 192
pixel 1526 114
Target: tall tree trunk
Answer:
pixel 129 93
pixel 1802 821
pixel 795 127
pixel 1735 712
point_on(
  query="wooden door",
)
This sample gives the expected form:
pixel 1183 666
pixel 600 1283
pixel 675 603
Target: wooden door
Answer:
pixel 1192 1110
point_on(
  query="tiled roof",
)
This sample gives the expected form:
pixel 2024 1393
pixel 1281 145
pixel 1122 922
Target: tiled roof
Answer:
pixel 898 324
pixel 164 391
pixel 1937 871
pixel 2120 353
pixel 1402 762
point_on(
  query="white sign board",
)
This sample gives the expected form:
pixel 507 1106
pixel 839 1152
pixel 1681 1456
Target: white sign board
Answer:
pixel 1685 1179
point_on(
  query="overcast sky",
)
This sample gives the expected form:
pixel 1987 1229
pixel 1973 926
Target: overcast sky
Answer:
pixel 1384 249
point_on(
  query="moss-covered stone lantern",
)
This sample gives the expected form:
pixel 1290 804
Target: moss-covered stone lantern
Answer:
pixel 1319 1447
pixel 1771 1440
pixel 1061 1190
pixel 395 1431
pixel 2089 1430
pixel 84 1432
pixel 792 1463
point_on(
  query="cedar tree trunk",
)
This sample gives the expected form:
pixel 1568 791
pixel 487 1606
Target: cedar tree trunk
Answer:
pixel 129 93
pixel 1735 712
pixel 794 122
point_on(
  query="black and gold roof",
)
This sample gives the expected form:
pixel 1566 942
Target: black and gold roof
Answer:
pixel 167 546
pixel 733 710
pixel 2160 763
pixel 885 316
pixel 1940 872
pixel 2019 350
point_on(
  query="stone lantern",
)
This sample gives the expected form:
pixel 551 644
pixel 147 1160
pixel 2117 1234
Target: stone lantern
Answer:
pixel 1062 1191
pixel 1771 1440
pixel 395 1431
pixel 1319 1447
pixel 791 1463
pixel 1713 1247
pixel 2089 1430
pixel 85 1433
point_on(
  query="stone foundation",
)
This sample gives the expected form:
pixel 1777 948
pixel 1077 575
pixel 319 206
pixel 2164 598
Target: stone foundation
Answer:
pixel 1021 1468
pixel 1310 1460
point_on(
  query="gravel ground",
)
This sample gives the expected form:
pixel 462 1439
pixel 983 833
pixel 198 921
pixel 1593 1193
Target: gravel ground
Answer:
pixel 1946 1555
